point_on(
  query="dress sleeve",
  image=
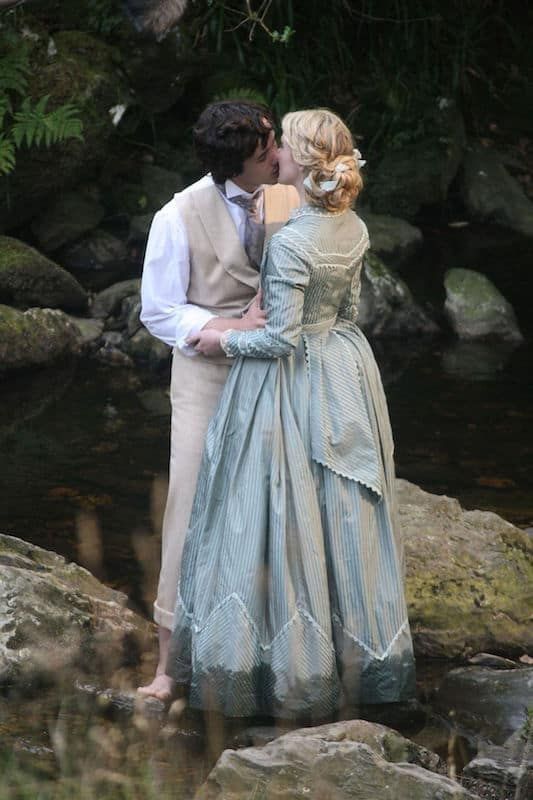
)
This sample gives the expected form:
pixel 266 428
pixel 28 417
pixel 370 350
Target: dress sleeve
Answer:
pixel 286 276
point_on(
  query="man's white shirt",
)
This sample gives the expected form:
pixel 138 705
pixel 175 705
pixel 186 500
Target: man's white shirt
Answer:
pixel 166 272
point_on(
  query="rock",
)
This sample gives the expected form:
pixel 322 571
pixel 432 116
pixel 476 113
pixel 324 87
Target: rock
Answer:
pixel 28 278
pixel 131 311
pixel 109 354
pixel 485 703
pixel 387 307
pixel 418 174
pixel 490 660
pixel 159 185
pixel 491 194
pixel 509 765
pixel 90 330
pixel 140 227
pixel 83 71
pixel 392 239
pixel 108 302
pixel 476 309
pixel 476 360
pixel 66 219
pixel 97 260
pixel 468 578
pixel 146 349
pixel 355 760
pixel 35 337
pixel 55 615
pixel 156 402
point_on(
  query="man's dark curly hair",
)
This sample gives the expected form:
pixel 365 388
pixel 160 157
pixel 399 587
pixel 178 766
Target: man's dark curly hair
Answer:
pixel 227 133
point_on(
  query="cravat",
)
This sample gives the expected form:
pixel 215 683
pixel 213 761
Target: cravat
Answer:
pixel 254 230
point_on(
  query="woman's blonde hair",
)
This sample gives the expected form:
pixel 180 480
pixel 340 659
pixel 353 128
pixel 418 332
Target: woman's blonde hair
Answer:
pixel 321 142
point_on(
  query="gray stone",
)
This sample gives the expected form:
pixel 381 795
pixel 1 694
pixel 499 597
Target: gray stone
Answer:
pixel 476 309
pixel 159 185
pixel 108 302
pixel 55 615
pixel 391 238
pixel 469 578
pixel 507 765
pixel 130 311
pixel 156 402
pixel 146 349
pixel 28 278
pixel 97 260
pixel 418 174
pixel 90 330
pixel 485 703
pixel 66 219
pixel 387 307
pixel 114 356
pixel 491 194
pixel 353 760
pixel 35 337
pixel 140 226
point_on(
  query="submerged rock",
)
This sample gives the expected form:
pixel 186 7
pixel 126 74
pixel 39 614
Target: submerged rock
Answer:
pixel 35 337
pixel 387 307
pixel 55 615
pixel 507 766
pixel 476 309
pixel 352 760
pixel 28 278
pixel 486 703
pixel 469 578
pixel 491 194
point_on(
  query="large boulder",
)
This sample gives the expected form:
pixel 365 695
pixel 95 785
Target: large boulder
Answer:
pixel 386 306
pixel 97 260
pixel 65 220
pixel 393 239
pixel 352 760
pixel 418 174
pixel 55 615
pixel 476 309
pixel 35 337
pixel 469 578
pixel 28 278
pixel 491 194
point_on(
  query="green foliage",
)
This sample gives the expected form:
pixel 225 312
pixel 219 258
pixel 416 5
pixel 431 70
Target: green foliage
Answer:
pixel 24 121
pixel 251 95
pixel 104 16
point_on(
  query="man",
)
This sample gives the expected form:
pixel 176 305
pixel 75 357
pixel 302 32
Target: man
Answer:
pixel 201 270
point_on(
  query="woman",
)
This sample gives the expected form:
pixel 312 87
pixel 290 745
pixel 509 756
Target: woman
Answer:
pixel 290 600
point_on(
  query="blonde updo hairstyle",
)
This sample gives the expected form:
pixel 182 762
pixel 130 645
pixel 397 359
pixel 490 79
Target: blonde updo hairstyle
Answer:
pixel 319 141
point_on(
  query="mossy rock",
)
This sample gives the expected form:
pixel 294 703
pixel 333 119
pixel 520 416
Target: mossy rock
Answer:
pixel 476 309
pixel 84 71
pixel 391 238
pixel 35 337
pixel 29 279
pixel 66 219
pixel 419 174
pixel 469 578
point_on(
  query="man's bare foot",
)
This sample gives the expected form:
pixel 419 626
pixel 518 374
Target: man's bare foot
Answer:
pixel 162 686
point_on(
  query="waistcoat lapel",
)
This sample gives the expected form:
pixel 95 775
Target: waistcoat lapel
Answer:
pixel 222 233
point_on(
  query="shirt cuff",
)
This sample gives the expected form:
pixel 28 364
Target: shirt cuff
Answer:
pixel 189 325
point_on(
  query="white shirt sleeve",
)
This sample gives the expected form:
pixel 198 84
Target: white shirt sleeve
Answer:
pixel 165 280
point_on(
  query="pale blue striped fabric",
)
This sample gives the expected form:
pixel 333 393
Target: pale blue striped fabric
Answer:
pixel 290 600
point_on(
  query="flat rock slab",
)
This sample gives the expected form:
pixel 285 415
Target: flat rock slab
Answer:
pixel 55 615
pixel 476 309
pixel 352 760
pixel 36 337
pixel 469 578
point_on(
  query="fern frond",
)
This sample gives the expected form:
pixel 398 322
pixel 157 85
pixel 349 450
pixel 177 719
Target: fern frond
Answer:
pixel 5 108
pixel 7 155
pixel 14 66
pixel 241 94
pixel 32 125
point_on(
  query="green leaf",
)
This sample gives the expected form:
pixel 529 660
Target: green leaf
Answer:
pixel 7 155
